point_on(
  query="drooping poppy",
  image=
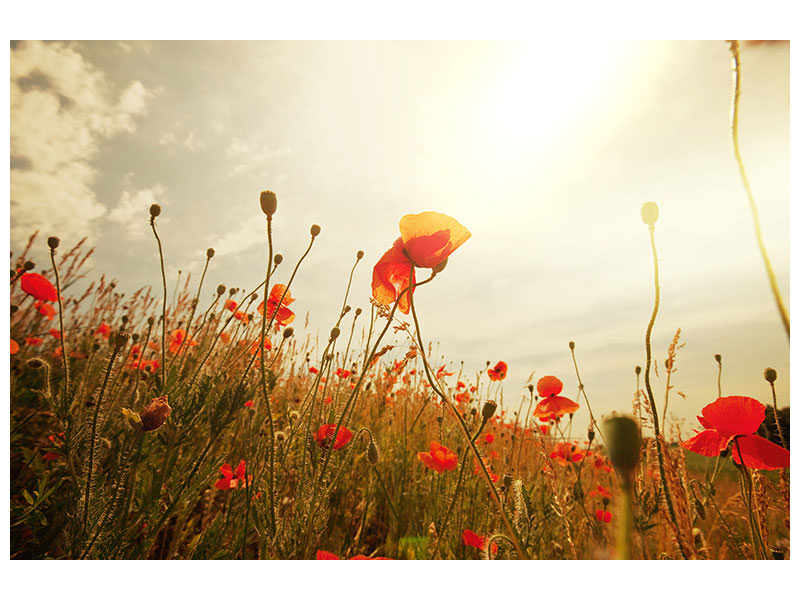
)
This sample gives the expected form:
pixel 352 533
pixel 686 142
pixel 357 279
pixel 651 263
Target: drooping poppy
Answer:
pixel 39 287
pixel 440 458
pixel 426 240
pixel 231 480
pixel 498 372
pixel 284 316
pixel 552 405
pixel 325 435
pixel 737 418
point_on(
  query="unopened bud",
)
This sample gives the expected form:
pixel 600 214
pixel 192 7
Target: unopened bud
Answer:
pixel 277 259
pixel 701 510
pixel 155 210
pixel 591 434
pixel 572 345
pixel 315 229
pixel 770 374
pixel 624 443
pixel 287 333
pixel 358 311
pixel 150 321
pixel 53 242
pixel 120 339
pixel 135 337
pixel 14 308
pixel 35 363
pixel 650 213
pixel 359 255
pixel 530 388
pixel 507 481
pixel 718 358
pixel 269 202
pixel 638 370
pixel 29 265
pixel 220 289
pixel 335 333
pixel 210 253
pixel 372 453
pixel 346 310
pixel 487 412
pixel 155 413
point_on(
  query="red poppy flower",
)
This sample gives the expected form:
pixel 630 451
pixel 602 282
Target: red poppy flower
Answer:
pixel 313 370
pixel 343 373
pixel 426 240
pixel 284 316
pixel 14 347
pixel 103 330
pixel 603 515
pixel 600 491
pixel 442 373
pixel 39 287
pixel 470 538
pixel 498 372
pixel 552 405
pixel 254 346
pixel 176 342
pixel 489 438
pixel 55 333
pixel 230 305
pixel 33 341
pixel 477 470
pixel 564 453
pixel 737 418
pixel 325 435
pixel 248 404
pixel 231 480
pixel 45 309
pixel 440 458
pixel 224 337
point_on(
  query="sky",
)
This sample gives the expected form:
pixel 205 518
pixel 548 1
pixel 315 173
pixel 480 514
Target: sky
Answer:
pixel 544 150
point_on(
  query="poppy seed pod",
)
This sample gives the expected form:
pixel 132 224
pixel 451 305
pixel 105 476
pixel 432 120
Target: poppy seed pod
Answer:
pixel 120 340
pixel 155 210
pixel 718 358
pixel 591 434
pixel 150 321
pixel 650 213
pixel 287 333
pixel 770 374
pixel 269 202
pixel 53 242
pixel 28 266
pixel 359 255
pixel 372 453
pixel 487 412
pixel 624 443
pixel 220 289
pixel 572 345
pixel 638 370
pixel 530 388
pixel 210 253
pixel 358 311
pixel 35 363
pixel 315 229
pixel 155 413
pixel 335 333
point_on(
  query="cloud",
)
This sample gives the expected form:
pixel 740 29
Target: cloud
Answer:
pixel 250 233
pixel 62 107
pixel 133 206
pixel 176 135
pixel 246 156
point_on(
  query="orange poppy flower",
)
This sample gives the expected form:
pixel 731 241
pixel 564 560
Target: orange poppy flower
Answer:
pixel 552 405
pixel 426 240
pixel 39 287
pixel 325 435
pixel 284 316
pixel 498 372
pixel 33 341
pixel 343 373
pixel 230 305
pixel 254 346
pixel 45 309
pixel 563 453
pixel 103 330
pixel 177 340
pixel 440 458
pixel 14 347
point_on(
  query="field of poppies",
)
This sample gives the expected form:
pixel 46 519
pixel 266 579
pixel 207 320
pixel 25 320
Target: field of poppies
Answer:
pixel 201 428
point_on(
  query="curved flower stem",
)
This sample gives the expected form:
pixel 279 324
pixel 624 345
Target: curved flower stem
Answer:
pixel 585 397
pixel 163 306
pixel 65 403
pixel 773 282
pixel 185 340
pixel 752 508
pixel 775 414
pixel 521 551
pixel 654 410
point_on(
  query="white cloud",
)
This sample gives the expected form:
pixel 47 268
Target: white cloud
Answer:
pixel 176 135
pixel 246 156
pixel 61 108
pixel 250 233
pixel 132 209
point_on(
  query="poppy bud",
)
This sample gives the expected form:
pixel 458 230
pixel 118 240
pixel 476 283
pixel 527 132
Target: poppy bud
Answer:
pixel 507 481
pixel 150 321
pixel 35 363
pixel 220 289
pixel 154 414
pixel 606 501
pixel 287 333
pixel 315 229
pixel 232 291
pixel 530 388
pixel 624 442
pixel 124 319
pixel 359 255
pixel 770 374
pixel 155 210
pixel 358 311
pixel 638 370
pixel 591 434
pixel 346 310
pixel 488 410
pixel 372 453
pixel 135 337
pixel 278 259
pixel 335 333
pixel 269 202
pixel 53 242
pixel 210 253
pixel 120 339
pixel 718 358
pixel 572 345
pixel 29 265
pixel 650 213
pixel 440 267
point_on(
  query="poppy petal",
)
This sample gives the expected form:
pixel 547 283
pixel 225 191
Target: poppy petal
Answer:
pixel 39 287
pixel 391 275
pixel 708 443
pixel 760 453
pixel 430 237
pixel 549 386
pixel 325 555
pixel 739 415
